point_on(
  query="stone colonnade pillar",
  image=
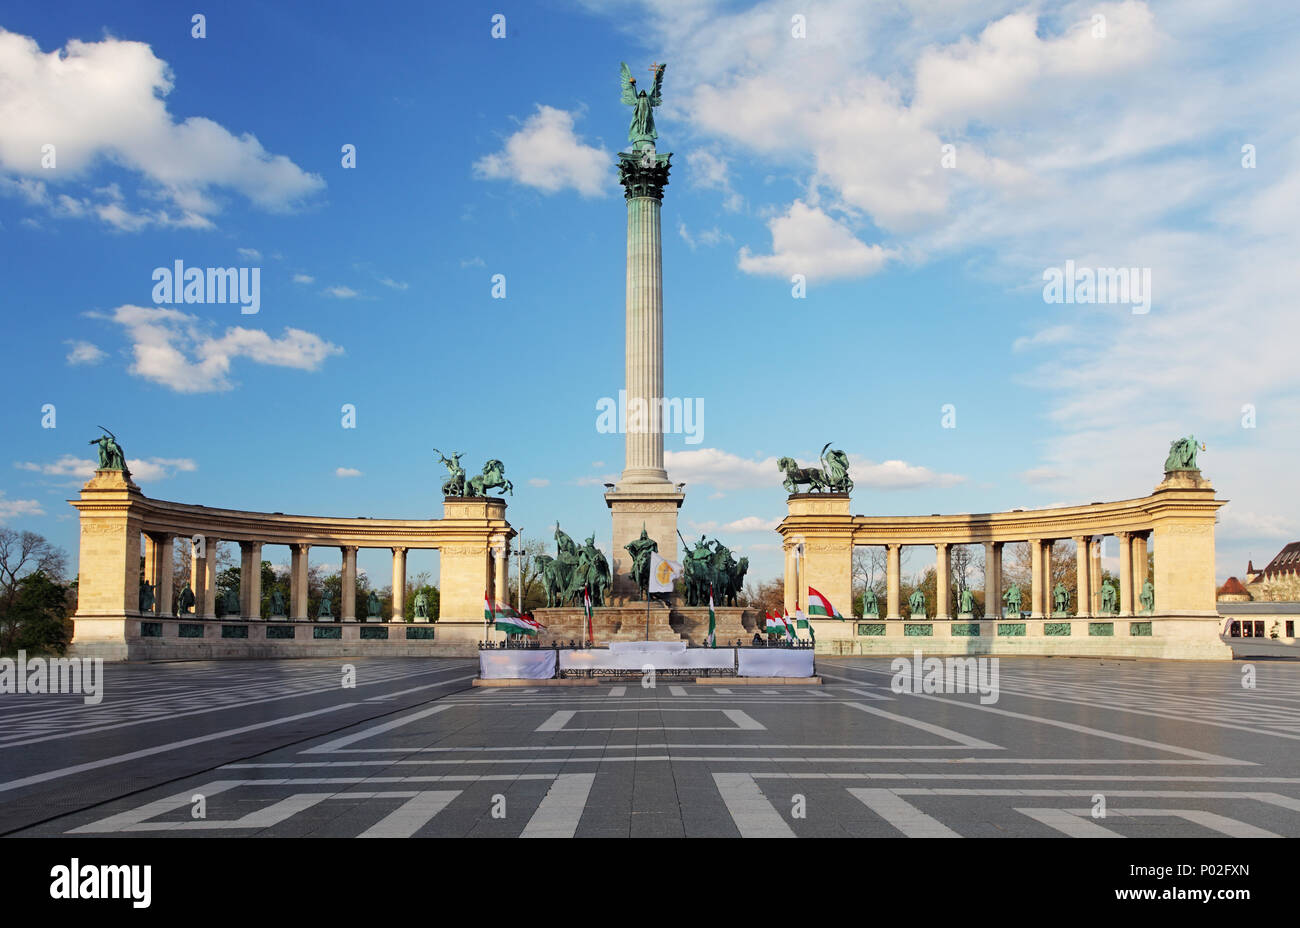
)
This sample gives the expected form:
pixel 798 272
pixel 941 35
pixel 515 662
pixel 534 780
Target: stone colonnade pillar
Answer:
pixel 198 572
pixel 893 581
pixel 298 580
pixel 399 584
pixel 348 584
pixel 250 579
pixel 1125 573
pixel 993 581
pixel 465 559
pixel 1035 578
pixel 1094 574
pixel 500 570
pixel 1082 578
pixel 210 544
pixel 942 568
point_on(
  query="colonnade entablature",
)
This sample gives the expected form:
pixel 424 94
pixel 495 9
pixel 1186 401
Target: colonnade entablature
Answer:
pixel 1176 521
pixel 119 525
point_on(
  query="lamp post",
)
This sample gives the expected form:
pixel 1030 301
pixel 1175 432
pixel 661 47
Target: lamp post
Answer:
pixel 520 555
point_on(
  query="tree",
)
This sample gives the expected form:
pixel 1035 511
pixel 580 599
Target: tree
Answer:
pixel 41 613
pixel 534 587
pixel 769 596
pixel 23 554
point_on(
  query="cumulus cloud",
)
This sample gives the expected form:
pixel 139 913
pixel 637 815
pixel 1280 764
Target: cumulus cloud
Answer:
pixel 342 293
pixel 538 482
pixel 724 470
pixel 544 153
pixel 346 472
pixel 105 101
pixel 738 526
pixel 807 241
pixel 303 279
pixel 183 353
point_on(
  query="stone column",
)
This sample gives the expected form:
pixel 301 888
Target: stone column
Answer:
pixel 163 591
pixel 150 568
pixel 942 566
pixel 992 581
pixel 348 584
pixel 198 576
pixel 1139 562
pixel 500 570
pixel 298 580
pixel 1082 586
pixel 399 584
pixel 644 495
pixel 1094 572
pixel 250 579
pixel 1036 578
pixel 893 578
pixel 1125 573
pixel 210 591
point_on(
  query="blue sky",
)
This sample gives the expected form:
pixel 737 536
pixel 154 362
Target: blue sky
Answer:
pixel 818 155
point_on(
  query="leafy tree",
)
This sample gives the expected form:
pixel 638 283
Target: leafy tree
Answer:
pixel 41 614
pixel 23 554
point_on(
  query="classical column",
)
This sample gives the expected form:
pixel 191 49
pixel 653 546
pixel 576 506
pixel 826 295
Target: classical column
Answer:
pixel 348 584
pixel 1125 573
pixel 298 580
pixel 644 495
pixel 1094 571
pixel 151 566
pixel 1082 586
pixel 399 585
pixel 163 588
pixel 1035 578
pixel 1048 543
pixel 250 579
pixel 992 581
pixel 210 592
pixel 500 571
pixel 1139 561
pixel 942 566
pixel 198 576
pixel 895 568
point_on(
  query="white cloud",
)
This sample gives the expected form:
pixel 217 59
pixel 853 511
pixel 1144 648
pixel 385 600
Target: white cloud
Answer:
pixel 897 475
pixel 1052 335
pixel 17 508
pixel 1041 475
pixel 746 524
pixel 807 241
pixel 105 101
pixel 85 353
pixel 181 352
pixel 142 469
pixel 249 254
pixel 303 279
pixel 709 170
pixel 342 293
pixel 346 472
pixel 546 154
pixel 538 482
pixel 394 284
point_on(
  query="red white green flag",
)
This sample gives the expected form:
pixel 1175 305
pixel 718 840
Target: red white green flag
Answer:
pixel 819 607
pixel 586 607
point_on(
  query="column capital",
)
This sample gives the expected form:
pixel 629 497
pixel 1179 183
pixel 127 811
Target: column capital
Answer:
pixel 301 547
pixel 643 174
pixel 350 548
pixel 398 549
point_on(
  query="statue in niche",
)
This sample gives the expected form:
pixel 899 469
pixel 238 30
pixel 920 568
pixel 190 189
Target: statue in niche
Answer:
pixel 373 608
pixel 1014 599
pixel 870 604
pixel 421 605
pixel 1148 597
pixel 326 610
pixel 185 602
pixel 916 605
pixel 640 550
pixel 966 602
pixel 146 596
pixel 1109 598
pixel 1060 599
pixel 277 602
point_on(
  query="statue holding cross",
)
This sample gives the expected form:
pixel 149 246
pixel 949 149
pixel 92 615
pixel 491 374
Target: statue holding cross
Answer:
pixel 642 132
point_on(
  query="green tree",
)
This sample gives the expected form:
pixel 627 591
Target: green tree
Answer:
pixel 23 554
pixel 41 613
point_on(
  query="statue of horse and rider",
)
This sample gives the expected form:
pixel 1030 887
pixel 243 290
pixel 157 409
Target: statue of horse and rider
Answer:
pixel 712 565
pixel 1182 454
pixel 574 569
pixel 492 478
pixel 831 477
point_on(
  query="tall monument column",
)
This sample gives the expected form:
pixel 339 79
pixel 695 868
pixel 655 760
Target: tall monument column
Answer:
pixel 643 496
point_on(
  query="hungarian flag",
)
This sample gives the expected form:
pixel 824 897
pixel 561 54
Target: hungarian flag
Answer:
pixel 789 625
pixel 774 625
pixel 713 625
pixel 507 620
pixel 528 617
pixel 586 608
pixel 801 621
pixel 819 607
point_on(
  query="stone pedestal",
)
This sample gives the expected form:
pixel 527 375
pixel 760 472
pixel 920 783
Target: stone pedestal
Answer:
pixel 821 522
pixel 465 568
pixel 633 506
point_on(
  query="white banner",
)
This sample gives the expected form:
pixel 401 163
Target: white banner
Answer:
pixel 516 664
pixel 775 662
pixel 662 573
pixel 630 658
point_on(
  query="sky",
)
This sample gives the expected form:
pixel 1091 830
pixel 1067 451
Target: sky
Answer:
pixel 865 203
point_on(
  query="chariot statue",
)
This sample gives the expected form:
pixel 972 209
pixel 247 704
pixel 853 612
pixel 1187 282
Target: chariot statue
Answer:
pixel 832 476
pixel 1182 454
pixel 455 484
pixel 492 478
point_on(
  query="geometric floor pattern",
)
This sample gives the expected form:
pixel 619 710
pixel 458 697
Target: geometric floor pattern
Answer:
pixel 1071 748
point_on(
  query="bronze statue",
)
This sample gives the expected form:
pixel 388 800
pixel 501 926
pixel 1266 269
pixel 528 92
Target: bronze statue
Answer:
pixel 185 602
pixel 1182 454
pixel 421 605
pixel 146 596
pixel 1109 598
pixel 1148 597
pixel 640 550
pixel 1014 598
pixel 1061 599
pixel 641 133
pixel 966 602
pixel 455 484
pixel 493 477
pixel 832 476
pixel 111 456
pixel 870 604
pixel 373 609
pixel 916 605
pixel 277 602
pixel 326 610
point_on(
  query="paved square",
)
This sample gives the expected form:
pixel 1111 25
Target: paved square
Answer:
pixel 281 749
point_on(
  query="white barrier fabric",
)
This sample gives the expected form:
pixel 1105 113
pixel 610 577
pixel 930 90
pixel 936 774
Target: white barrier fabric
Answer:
pixel 516 664
pixel 775 662
pixel 631 658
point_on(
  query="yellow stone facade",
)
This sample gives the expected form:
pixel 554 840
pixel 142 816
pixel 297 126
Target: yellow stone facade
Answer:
pixel 473 539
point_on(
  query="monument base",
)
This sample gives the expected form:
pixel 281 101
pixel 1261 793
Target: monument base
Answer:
pixel 634 506
pixel 628 623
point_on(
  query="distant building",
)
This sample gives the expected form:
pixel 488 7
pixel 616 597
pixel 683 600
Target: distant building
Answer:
pixel 1279 581
pixel 1233 592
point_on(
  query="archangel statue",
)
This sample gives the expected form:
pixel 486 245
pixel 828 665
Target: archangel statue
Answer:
pixel 641 133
